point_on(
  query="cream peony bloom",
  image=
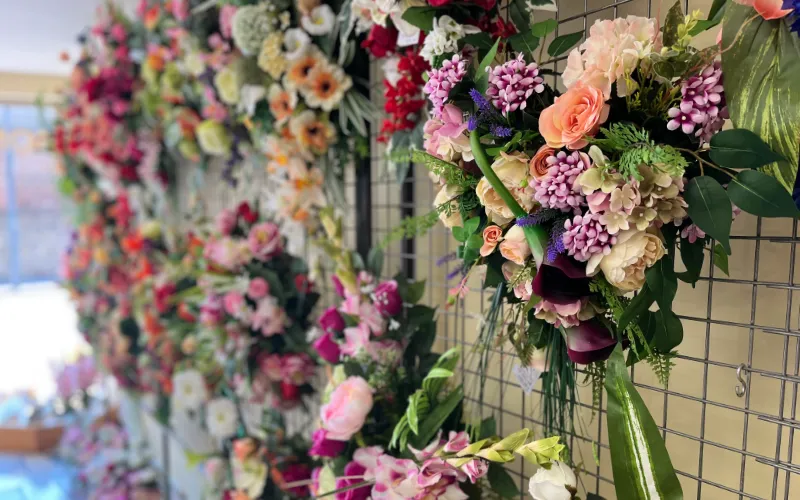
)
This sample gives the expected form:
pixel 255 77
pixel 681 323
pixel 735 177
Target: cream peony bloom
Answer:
pixel 454 217
pixel 512 170
pixel 624 266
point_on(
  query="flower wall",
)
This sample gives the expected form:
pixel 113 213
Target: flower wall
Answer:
pixel 614 228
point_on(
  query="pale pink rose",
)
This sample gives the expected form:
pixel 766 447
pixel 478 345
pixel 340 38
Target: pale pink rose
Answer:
pixel 576 114
pixel 492 235
pixel 768 9
pixel 356 338
pixel 347 409
pixel 272 367
pixel 257 288
pixel 269 318
pixel 228 253
pixel 514 246
pixel 265 240
pixel 226 13
pixel 446 138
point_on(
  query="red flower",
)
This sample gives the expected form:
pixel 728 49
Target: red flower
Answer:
pixel 438 3
pixel 245 212
pixel 380 41
pixel 303 284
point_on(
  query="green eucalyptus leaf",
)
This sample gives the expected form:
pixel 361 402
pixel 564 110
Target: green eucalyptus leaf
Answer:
pixel 640 303
pixel 662 282
pixel 475 241
pixel 639 459
pixel 720 259
pixel 375 261
pixel 710 208
pixel 501 482
pixel 668 330
pixel 524 42
pixel 543 28
pixel 471 225
pixel 741 148
pixel 692 255
pixel 563 43
pixel 761 63
pixel 460 234
pixel 760 194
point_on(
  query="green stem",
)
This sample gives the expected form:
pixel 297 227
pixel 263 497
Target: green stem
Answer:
pixel 536 235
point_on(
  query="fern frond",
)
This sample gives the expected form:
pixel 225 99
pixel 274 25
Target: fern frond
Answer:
pixel 596 375
pixel 452 174
pixel 616 305
pixel 635 148
pixel 662 364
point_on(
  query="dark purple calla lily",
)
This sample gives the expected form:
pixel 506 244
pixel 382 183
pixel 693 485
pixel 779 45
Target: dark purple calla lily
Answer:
pixel 589 341
pixel 562 281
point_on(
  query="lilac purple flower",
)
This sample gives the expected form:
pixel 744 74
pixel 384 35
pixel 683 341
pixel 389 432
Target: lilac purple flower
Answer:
pixel 499 130
pixel 512 83
pixel 538 217
pixel 556 244
pixel 441 82
pixel 702 105
pixel 585 236
pixel 558 188
pixel 487 114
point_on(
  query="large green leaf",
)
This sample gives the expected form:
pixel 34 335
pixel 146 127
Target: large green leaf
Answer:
pixel 501 482
pixel 741 148
pixel 481 78
pixel 710 208
pixel 563 43
pixel 421 17
pixel 692 255
pixel 761 63
pixel 639 459
pixel 759 194
pixel 663 282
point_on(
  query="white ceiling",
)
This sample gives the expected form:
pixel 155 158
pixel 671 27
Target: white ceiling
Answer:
pixel 33 33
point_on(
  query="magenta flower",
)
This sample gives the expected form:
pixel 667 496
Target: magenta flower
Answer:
pixel 512 83
pixel 331 321
pixel 321 446
pixel 558 188
pixel 257 288
pixel 226 222
pixel 441 82
pixel 702 104
pixel 585 236
pixel 387 299
pixel 327 348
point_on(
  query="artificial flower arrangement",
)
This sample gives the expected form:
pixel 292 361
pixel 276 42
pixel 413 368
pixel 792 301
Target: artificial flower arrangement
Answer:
pixel 572 200
pixel 99 126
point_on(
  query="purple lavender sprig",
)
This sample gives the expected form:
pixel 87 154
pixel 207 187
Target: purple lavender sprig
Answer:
pixel 487 115
pixel 446 258
pixel 538 217
pixel 556 245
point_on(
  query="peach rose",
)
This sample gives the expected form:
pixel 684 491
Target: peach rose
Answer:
pixel 515 247
pixel 492 235
pixel 538 164
pixel 574 115
pixel 769 9
pixel 347 409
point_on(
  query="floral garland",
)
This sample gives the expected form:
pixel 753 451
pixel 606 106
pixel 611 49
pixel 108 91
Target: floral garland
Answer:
pixel 572 201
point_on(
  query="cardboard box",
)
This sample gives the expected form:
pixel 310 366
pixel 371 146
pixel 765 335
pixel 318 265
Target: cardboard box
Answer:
pixel 30 440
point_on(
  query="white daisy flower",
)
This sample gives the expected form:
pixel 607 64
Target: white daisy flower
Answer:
pixel 189 390
pixel 320 21
pixel 295 42
pixel 221 418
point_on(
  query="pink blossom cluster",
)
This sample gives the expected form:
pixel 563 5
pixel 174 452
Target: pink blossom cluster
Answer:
pixel 702 105
pixel 585 236
pixel 558 188
pixel 404 478
pixel 373 306
pixel 442 80
pixel 512 83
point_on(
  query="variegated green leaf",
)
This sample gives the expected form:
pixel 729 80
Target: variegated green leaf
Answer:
pixel 761 64
pixel 639 459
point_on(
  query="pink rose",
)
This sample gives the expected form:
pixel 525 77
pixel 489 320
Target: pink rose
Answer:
pixel 768 9
pixel 387 299
pixel 492 235
pixel 265 240
pixel 321 446
pixel 234 303
pixel 297 368
pixel 327 348
pixel 272 366
pixel 331 321
pixel 514 246
pixel 576 114
pixel 257 288
pixel 349 405
pixel 226 222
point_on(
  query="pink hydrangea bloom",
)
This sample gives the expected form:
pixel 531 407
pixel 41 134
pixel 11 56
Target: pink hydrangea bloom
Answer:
pixel 441 81
pixel 585 236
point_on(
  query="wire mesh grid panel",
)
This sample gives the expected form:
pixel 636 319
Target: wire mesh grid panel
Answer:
pixel 729 414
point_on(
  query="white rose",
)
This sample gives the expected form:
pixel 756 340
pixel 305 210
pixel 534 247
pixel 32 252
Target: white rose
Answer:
pixel 454 217
pixel 624 266
pixel 221 418
pixel 512 170
pixel 556 483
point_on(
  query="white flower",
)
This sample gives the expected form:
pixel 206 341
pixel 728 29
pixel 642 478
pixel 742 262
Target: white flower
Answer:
pixel 249 95
pixel 624 266
pixel 444 37
pixel 250 26
pixel 194 63
pixel 320 21
pixel 451 217
pixel 554 483
pixel 390 71
pixel 295 43
pixel 189 390
pixel 221 418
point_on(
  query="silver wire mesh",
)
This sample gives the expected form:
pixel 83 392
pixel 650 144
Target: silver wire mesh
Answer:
pixel 723 446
